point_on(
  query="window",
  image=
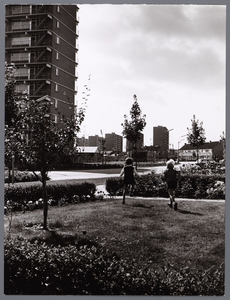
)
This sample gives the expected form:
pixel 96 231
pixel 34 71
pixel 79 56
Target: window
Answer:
pixel 20 9
pixel 58 8
pixel 20 25
pixel 58 40
pixel 23 57
pixel 22 72
pixel 57 55
pixel 56 87
pixel 21 41
pixel 58 24
pixel 56 71
pixel 20 88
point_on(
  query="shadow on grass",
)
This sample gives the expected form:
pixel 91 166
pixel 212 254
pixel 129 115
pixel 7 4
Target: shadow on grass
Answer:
pixel 54 238
pixel 141 205
pixel 187 212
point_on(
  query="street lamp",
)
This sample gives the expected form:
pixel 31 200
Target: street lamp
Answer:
pixel 168 140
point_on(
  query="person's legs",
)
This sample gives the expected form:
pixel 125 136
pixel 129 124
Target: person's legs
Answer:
pixel 124 192
pixel 131 190
pixel 171 196
pixel 172 199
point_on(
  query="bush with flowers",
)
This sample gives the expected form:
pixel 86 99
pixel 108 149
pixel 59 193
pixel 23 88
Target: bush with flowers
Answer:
pixel 191 184
pixel 28 196
pixel 216 190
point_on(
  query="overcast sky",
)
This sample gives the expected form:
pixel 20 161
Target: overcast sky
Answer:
pixel 173 57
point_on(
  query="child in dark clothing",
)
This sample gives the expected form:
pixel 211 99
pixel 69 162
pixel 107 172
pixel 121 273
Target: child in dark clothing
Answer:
pixel 129 172
pixel 171 176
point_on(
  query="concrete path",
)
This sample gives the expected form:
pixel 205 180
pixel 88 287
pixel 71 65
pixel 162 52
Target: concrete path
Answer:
pixel 63 175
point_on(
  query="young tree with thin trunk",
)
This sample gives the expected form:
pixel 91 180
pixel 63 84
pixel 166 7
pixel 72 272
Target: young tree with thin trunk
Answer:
pixel 42 142
pixel 11 110
pixel 196 134
pixel 132 128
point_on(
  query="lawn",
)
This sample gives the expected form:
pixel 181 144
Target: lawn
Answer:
pixel 146 230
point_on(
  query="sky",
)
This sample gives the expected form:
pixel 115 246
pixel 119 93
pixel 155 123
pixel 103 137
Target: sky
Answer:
pixel 172 57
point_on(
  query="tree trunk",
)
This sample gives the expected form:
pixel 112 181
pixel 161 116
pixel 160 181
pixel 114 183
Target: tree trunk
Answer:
pixel 136 155
pixel 9 172
pixel 45 201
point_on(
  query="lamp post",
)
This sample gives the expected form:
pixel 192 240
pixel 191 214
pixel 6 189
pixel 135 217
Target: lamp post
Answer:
pixel 168 140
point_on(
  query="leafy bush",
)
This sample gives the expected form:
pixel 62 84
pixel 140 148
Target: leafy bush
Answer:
pixel 35 268
pixel 27 195
pixel 114 186
pixel 190 185
pixel 216 190
pixel 21 176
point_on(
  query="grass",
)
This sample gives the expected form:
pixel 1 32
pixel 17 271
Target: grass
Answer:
pixel 144 229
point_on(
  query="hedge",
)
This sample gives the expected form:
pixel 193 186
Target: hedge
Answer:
pixel 35 268
pixel 195 186
pixel 20 194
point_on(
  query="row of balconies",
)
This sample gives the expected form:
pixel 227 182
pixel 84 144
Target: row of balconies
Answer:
pixel 18 10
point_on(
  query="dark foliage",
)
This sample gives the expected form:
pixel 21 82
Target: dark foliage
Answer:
pixel 27 196
pixel 197 186
pixel 35 268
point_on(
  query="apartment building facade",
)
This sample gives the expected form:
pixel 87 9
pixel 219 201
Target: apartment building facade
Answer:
pixel 161 140
pixel 41 40
pixel 114 142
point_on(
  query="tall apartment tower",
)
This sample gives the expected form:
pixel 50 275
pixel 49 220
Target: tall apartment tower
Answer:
pixel 41 40
pixel 114 142
pixel 161 138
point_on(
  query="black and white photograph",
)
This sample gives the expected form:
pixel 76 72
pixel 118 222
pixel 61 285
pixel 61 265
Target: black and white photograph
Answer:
pixel 115 149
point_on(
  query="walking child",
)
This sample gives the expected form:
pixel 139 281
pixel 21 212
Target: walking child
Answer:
pixel 129 172
pixel 171 176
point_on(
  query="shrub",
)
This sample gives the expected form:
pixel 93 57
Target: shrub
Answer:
pixel 38 268
pixel 190 185
pixel 27 195
pixel 216 190
pixel 22 176
pixel 114 186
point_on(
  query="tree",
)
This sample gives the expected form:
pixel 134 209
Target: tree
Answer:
pixel 196 135
pixel 223 141
pixel 132 128
pixel 42 142
pixel 10 95
pixel 11 111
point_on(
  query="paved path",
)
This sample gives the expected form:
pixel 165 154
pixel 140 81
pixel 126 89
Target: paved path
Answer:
pixel 63 175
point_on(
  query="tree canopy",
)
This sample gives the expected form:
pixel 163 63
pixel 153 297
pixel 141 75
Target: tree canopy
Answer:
pixel 196 134
pixel 132 128
pixel 34 136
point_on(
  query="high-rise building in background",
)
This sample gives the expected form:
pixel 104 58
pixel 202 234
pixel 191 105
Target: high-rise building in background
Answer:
pixel 41 40
pixel 113 142
pixel 94 140
pixel 161 139
pixel 82 141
